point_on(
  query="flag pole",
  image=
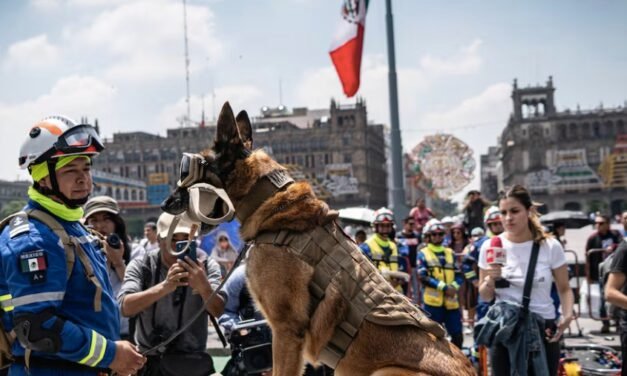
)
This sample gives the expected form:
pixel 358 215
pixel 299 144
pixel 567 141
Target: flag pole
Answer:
pixel 398 191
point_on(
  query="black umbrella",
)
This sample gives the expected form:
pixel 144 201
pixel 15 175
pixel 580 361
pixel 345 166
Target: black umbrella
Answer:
pixel 571 219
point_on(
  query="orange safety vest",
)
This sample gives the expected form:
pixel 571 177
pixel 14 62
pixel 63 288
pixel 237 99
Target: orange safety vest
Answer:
pixel 445 273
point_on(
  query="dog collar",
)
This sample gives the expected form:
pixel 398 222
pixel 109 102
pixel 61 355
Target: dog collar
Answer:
pixel 263 189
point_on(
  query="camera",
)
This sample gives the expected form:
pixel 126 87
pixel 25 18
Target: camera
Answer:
pixel 191 250
pixel 251 348
pixel 114 241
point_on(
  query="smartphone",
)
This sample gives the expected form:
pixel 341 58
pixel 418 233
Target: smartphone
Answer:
pixel 191 251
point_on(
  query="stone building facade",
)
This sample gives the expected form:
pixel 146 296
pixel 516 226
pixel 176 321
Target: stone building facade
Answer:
pixel 335 149
pixel 570 159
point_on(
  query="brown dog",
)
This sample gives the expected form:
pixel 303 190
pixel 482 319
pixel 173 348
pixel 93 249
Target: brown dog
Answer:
pixel 281 280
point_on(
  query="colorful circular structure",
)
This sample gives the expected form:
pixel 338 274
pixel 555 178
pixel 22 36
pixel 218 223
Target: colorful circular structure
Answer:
pixel 446 161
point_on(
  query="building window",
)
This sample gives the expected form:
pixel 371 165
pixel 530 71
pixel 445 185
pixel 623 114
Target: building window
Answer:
pixel 327 160
pixel 620 127
pixel 562 131
pixel 348 158
pixel 596 130
pixel 572 130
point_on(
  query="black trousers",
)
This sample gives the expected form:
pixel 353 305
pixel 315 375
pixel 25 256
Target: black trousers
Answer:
pixel 499 356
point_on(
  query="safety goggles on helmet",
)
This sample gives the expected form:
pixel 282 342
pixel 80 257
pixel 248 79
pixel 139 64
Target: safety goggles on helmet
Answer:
pixel 80 139
pixel 493 217
pixel 434 227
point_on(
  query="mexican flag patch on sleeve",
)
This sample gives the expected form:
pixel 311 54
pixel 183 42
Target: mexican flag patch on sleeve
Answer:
pixel 34 264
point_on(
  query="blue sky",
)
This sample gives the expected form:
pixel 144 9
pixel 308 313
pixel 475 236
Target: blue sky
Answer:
pixel 122 61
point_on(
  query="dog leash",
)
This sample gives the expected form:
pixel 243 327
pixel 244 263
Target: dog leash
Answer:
pixel 161 347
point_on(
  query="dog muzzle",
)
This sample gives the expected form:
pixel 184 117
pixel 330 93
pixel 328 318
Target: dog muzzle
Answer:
pixel 209 205
pixel 201 204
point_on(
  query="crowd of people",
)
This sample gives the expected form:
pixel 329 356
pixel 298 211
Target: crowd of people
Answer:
pixel 80 298
pixel 450 273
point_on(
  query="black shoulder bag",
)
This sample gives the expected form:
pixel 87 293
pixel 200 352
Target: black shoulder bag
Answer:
pixel 531 270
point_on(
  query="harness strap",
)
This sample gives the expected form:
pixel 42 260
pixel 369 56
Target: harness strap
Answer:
pixel 72 246
pixel 89 273
pixel 58 229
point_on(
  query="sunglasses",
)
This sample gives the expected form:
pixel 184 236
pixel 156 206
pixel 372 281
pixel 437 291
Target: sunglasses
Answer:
pixel 437 234
pixel 600 223
pixel 223 239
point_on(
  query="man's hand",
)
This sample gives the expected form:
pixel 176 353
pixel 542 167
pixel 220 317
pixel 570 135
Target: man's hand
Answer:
pixel 127 360
pixel 197 276
pixel 175 278
pixel 450 291
pixel 115 256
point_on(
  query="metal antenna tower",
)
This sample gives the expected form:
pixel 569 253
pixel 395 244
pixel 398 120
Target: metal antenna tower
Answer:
pixel 187 119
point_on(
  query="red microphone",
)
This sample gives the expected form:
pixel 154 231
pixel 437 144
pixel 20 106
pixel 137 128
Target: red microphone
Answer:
pixel 496 253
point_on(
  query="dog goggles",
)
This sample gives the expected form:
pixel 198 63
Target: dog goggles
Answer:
pixel 206 206
pixel 191 169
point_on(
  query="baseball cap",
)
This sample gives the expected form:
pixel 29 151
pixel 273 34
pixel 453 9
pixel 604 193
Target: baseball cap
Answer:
pixel 477 231
pixel 101 204
pixel 165 220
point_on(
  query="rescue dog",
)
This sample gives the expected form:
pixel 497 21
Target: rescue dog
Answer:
pixel 280 281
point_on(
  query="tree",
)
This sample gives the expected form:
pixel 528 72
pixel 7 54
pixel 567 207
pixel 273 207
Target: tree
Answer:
pixel 12 207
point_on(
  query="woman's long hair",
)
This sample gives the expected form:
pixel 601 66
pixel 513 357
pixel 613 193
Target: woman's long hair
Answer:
pixel 521 194
pixel 120 230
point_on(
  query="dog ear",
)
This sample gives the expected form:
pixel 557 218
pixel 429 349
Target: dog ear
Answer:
pixel 245 129
pixel 227 128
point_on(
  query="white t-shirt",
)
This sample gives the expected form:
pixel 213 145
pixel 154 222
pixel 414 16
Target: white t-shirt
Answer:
pixel 550 257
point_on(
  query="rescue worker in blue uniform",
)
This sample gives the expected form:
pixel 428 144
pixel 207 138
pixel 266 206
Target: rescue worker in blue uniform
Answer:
pixel 55 295
pixel 440 282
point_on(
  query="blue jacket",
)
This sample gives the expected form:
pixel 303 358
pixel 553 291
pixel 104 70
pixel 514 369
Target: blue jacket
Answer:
pixel 33 279
pixel 520 334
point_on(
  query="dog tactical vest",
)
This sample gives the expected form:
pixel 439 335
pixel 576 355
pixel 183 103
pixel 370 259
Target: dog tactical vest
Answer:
pixel 337 260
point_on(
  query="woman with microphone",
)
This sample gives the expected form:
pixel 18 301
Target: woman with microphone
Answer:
pixel 503 266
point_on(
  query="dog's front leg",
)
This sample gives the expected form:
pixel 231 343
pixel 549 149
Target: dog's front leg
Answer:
pixel 287 351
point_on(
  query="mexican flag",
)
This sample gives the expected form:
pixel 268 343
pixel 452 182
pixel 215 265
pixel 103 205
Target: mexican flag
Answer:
pixel 348 44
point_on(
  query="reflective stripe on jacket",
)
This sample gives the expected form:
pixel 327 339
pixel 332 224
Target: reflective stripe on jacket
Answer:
pixel 377 245
pixel 435 297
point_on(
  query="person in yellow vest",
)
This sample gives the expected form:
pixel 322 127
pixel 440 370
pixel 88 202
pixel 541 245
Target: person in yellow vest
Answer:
pixel 381 248
pixel 440 282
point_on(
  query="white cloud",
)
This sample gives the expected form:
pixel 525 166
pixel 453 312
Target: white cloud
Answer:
pixel 320 84
pixel 35 52
pixel 239 96
pixel 467 61
pixel 74 96
pixel 145 39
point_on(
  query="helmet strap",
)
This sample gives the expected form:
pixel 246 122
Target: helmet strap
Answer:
pixel 55 191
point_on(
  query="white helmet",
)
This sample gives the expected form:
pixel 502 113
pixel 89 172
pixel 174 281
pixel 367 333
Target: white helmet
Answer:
pixel 492 215
pixel 383 215
pixel 433 225
pixel 57 136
